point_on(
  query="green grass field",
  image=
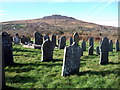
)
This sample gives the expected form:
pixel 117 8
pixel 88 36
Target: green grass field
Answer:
pixel 30 72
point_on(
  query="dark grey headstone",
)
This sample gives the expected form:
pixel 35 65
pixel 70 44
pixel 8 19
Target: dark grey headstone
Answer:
pixel 47 50
pixel 46 37
pixel 104 51
pixel 76 37
pixel 91 45
pixel 111 46
pixel 83 45
pixel 117 45
pixel 71 60
pixel 7 50
pixel 16 39
pixel 98 50
pixel 54 40
pixel 24 40
pixel 71 40
pixel 62 42
pixel 38 38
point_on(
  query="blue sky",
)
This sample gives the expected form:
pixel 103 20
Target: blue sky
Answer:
pixel 104 13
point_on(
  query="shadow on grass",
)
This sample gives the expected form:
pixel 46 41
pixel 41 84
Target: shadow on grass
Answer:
pixel 113 63
pixel 21 50
pixel 102 73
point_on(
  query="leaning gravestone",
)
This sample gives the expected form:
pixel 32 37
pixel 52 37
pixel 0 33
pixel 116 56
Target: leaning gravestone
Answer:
pixel 16 39
pixel 71 60
pixel 98 50
pixel 83 45
pixel 38 38
pixel 47 50
pixel 91 45
pixel 54 40
pixel 90 50
pixel 104 51
pixel 76 37
pixel 46 37
pixel 62 42
pixel 117 45
pixel 111 46
pixel 71 40
pixel 7 49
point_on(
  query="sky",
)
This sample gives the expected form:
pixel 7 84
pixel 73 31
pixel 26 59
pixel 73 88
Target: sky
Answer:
pixel 99 12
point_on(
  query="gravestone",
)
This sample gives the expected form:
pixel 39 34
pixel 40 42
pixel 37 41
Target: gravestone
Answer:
pixel 71 40
pixel 104 51
pixel 54 40
pixel 81 52
pixel 98 50
pixel 46 37
pixel 76 37
pixel 47 50
pixel 2 72
pixel 7 49
pixel 111 46
pixel 90 50
pixel 62 42
pixel 24 40
pixel 38 38
pixel 91 45
pixel 83 45
pixel 71 60
pixel 16 39
pixel 117 45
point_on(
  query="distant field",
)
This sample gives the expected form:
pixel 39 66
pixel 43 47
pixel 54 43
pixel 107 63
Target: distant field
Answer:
pixel 32 73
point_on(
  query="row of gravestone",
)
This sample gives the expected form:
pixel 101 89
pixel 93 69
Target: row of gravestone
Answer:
pixel 72 53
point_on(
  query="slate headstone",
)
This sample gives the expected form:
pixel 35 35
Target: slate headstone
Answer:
pixel 47 50
pixel 83 45
pixel 71 60
pixel 16 39
pixel 104 51
pixel 71 40
pixel 46 37
pixel 98 50
pixel 24 40
pixel 91 45
pixel 111 46
pixel 62 42
pixel 38 38
pixel 54 40
pixel 7 50
pixel 117 45
pixel 76 37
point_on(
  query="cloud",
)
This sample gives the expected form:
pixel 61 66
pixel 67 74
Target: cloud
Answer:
pixel 59 0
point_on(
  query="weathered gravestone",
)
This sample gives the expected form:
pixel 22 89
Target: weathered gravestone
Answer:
pixel 71 60
pixel 47 50
pixel 91 46
pixel 46 37
pixel 117 45
pixel 24 40
pixel 111 46
pixel 83 45
pixel 54 40
pixel 76 37
pixel 104 51
pixel 16 39
pixel 71 40
pixel 62 42
pixel 38 38
pixel 2 72
pixel 7 49
pixel 98 50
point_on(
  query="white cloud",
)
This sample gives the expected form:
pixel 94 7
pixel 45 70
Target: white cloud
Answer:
pixel 59 0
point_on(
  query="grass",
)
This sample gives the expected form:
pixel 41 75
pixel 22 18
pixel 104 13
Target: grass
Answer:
pixel 30 72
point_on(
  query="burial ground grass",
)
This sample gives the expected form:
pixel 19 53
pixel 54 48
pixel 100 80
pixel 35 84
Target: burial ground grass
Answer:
pixel 30 72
